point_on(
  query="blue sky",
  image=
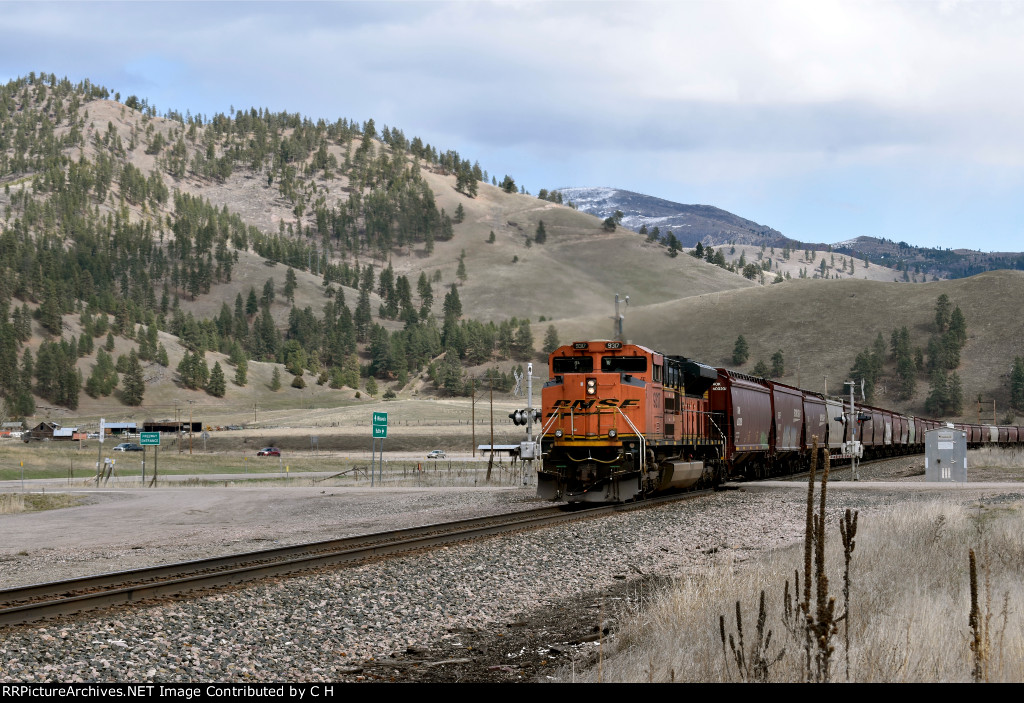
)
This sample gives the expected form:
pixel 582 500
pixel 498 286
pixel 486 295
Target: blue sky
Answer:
pixel 825 120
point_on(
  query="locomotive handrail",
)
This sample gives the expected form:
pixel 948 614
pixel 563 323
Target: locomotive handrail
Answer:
pixel 551 420
pixel 721 434
pixel 643 441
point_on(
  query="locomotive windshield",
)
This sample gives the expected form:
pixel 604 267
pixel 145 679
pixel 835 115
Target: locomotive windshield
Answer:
pixel 624 364
pixel 572 364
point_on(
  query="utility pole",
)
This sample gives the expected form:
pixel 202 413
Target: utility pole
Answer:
pixel 472 407
pixel 490 457
pixel 190 425
pixel 529 422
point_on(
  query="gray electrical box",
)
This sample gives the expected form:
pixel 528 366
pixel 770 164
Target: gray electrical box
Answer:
pixel 945 455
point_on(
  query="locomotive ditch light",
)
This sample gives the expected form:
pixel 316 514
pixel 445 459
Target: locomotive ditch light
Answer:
pixel 612 433
pixel 591 386
pixel 558 434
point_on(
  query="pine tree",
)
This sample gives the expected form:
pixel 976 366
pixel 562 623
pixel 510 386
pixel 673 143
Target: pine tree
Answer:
pixel 50 310
pixel 460 272
pixel 740 352
pixel 134 387
pixel 958 326
pixel 954 395
pixel 216 386
pixel 551 340
pixel 906 375
pixel 778 365
pixel 275 380
pixel 524 341
pixel 943 311
pixel 938 397
pixel 541 235
pixel 268 293
pixel 452 304
pixel 1017 384
pixel 241 373
pixel 363 317
pixel 864 372
pixel 252 304
pixel 290 283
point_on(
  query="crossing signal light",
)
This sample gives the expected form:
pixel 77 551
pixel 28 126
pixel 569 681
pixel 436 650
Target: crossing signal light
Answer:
pixel 522 417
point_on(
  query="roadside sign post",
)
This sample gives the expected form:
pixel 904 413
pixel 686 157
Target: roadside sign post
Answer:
pixel 149 439
pixel 380 429
pixel 99 453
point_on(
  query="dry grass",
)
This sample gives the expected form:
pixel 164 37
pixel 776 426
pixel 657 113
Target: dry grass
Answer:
pixel 910 600
pixel 11 503
pixel 797 261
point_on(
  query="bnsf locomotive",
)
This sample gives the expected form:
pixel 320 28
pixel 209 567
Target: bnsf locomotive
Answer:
pixel 621 421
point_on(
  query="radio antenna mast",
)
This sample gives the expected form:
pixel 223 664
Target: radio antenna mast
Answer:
pixel 619 318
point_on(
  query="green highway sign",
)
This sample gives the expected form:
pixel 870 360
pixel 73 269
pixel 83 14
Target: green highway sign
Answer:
pixel 149 439
pixel 380 418
pixel 380 430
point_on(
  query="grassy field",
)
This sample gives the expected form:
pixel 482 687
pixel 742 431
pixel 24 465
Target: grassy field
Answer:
pixel 910 599
pixel 58 460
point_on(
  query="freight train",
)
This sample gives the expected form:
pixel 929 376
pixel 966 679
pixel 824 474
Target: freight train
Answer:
pixel 621 421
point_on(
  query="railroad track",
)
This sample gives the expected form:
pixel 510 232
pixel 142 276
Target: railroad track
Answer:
pixel 46 600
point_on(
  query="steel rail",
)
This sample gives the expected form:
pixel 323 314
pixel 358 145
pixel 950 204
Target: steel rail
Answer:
pixel 39 601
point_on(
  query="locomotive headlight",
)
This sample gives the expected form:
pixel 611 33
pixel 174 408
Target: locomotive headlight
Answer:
pixel 558 434
pixel 612 433
pixel 591 386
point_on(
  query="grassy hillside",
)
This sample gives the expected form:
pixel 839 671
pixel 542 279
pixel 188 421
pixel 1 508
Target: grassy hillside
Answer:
pixel 821 326
pixel 146 220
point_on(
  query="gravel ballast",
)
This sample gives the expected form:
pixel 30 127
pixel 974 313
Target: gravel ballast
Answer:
pixel 387 618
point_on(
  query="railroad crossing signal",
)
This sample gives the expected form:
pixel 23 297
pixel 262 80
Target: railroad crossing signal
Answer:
pixel 522 417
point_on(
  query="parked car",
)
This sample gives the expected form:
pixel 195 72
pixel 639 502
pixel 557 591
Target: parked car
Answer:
pixel 269 451
pixel 437 454
pixel 128 447
pixel 93 435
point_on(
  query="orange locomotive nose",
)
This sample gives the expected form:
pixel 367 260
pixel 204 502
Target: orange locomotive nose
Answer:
pixel 590 407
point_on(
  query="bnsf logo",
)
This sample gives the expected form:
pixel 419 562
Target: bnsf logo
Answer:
pixel 587 404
